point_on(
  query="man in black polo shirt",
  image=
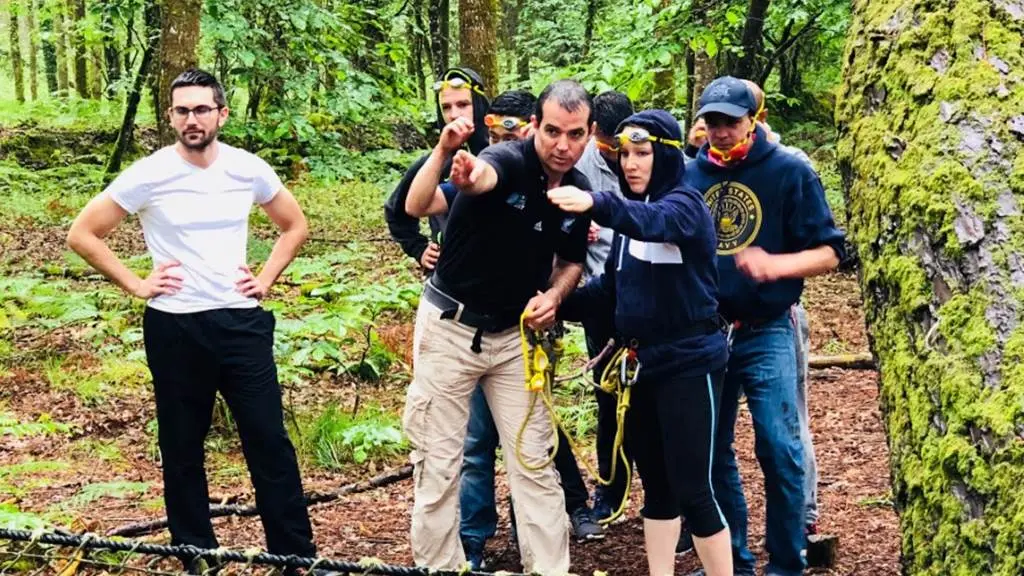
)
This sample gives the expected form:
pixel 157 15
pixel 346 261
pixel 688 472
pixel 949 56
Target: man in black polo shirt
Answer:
pixel 507 250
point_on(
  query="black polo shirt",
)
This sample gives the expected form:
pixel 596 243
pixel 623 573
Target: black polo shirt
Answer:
pixel 499 246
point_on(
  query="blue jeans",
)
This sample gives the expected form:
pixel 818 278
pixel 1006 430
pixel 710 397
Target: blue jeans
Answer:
pixel 763 365
pixel 479 515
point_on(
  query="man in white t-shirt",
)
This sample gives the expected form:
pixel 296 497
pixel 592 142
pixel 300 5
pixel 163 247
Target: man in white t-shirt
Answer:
pixel 204 329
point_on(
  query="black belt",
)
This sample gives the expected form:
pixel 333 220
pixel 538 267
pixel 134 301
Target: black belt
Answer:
pixel 452 309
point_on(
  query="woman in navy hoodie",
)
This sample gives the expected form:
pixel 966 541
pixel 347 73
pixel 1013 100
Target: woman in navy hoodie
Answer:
pixel 661 286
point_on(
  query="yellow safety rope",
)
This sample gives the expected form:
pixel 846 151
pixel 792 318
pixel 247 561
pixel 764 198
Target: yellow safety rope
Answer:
pixel 541 352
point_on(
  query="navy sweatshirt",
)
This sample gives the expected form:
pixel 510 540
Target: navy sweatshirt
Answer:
pixel 773 200
pixel 660 278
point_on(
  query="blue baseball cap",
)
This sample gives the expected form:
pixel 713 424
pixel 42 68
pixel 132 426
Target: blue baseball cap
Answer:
pixel 729 96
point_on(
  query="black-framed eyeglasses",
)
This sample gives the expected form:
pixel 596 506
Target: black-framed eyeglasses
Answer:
pixel 201 112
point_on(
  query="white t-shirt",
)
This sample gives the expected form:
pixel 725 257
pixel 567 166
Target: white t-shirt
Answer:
pixel 199 217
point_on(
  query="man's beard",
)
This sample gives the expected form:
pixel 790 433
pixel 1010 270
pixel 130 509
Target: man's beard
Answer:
pixel 202 143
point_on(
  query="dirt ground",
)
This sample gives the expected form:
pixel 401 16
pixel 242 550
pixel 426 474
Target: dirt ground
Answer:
pixel 855 500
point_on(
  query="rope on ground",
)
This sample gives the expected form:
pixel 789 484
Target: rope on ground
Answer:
pixel 218 510
pixel 91 542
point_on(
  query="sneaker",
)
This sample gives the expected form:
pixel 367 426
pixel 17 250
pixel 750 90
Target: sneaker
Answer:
pixel 474 555
pixel 584 526
pixel 685 544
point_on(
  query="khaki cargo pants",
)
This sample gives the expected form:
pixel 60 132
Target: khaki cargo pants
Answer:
pixel 445 373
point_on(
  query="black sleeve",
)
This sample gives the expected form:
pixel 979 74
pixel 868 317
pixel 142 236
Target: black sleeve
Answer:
pixel 404 228
pixel 572 245
pixel 507 160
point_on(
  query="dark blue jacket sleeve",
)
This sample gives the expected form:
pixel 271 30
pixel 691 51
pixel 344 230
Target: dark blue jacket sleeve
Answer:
pixel 405 229
pixel 674 218
pixel 809 221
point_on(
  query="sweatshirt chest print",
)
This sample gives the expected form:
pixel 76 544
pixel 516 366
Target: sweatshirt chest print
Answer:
pixel 737 214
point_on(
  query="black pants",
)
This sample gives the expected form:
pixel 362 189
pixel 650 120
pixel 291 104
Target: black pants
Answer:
pixel 671 424
pixel 191 357
pixel 606 428
pixel 575 490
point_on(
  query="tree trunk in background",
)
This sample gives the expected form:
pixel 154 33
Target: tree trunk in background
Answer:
pixel 665 77
pixel 751 41
pixel 523 60
pixel 704 67
pixel 704 71
pixel 49 47
pixel 179 37
pixel 588 26
pixel 96 72
pixel 931 124
pixel 423 48
pixel 60 43
pixel 478 40
pixel 689 110
pixel 111 57
pixel 437 15
pixel 76 9
pixel 33 48
pixel 126 134
pixel 14 36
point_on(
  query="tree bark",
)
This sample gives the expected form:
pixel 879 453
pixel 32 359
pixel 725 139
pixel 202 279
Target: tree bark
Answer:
pixel 60 42
pixel 49 51
pixel 179 37
pixel 17 67
pixel 478 40
pixel 746 66
pixel 689 110
pixel 588 26
pixel 76 9
pixel 704 71
pixel 111 57
pixel 437 14
pixel 95 73
pixel 931 124
pixel 523 60
pixel 33 49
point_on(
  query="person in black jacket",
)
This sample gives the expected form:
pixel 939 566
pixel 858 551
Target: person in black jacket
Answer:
pixel 661 287
pixel 460 94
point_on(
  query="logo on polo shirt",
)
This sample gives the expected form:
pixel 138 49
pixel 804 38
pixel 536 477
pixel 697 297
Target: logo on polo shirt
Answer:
pixel 567 224
pixel 516 200
pixel 737 214
pixel 539 226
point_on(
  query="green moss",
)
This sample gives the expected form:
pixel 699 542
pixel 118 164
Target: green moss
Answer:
pixel 957 458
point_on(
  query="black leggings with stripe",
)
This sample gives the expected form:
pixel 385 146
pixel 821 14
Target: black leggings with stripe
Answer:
pixel 671 425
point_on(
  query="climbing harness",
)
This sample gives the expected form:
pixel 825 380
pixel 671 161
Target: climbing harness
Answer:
pixel 541 351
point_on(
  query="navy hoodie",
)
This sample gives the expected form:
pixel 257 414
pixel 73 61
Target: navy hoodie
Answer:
pixel 660 278
pixel 404 228
pixel 773 200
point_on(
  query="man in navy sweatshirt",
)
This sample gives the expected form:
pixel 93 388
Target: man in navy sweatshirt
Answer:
pixel 774 229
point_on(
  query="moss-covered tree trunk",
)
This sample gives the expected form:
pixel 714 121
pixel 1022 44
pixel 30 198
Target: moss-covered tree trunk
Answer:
pixel 33 48
pixel 76 13
pixel 17 70
pixel 931 119
pixel 60 42
pixel 48 43
pixel 478 40
pixel 179 39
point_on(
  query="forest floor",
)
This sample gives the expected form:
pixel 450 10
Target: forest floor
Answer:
pixel 77 421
